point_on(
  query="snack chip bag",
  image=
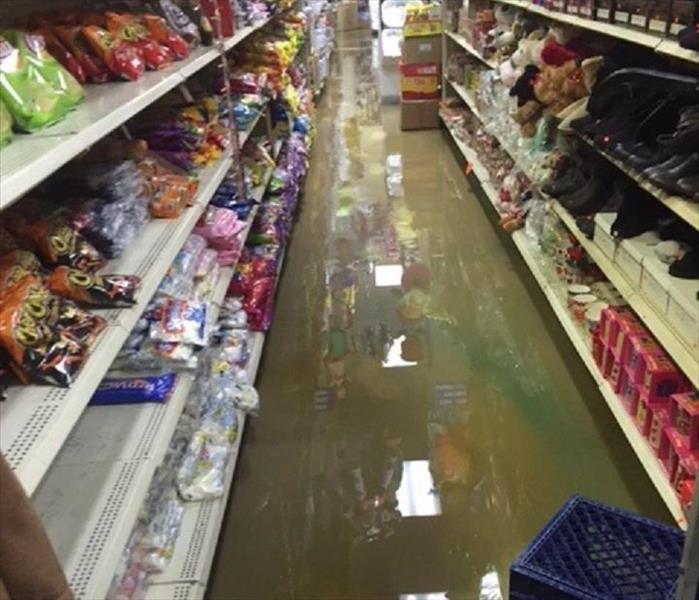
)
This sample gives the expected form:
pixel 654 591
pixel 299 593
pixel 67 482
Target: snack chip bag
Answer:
pixel 62 54
pixel 122 59
pixel 161 33
pixel 73 39
pixel 42 65
pixel 125 28
pixel 31 100
pixel 107 291
pixel 39 352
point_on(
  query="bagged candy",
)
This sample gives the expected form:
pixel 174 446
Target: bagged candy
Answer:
pixel 181 321
pixel 32 48
pixel 125 28
pixel 78 324
pixel 72 37
pixel 62 55
pixel 107 291
pixel 205 262
pixel 134 390
pixel 31 100
pixel 28 332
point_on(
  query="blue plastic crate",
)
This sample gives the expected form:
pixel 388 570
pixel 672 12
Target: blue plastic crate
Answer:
pixel 589 550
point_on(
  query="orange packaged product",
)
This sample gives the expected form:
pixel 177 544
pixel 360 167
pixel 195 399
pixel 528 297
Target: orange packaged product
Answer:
pixel 106 291
pixel 31 334
pixel 125 28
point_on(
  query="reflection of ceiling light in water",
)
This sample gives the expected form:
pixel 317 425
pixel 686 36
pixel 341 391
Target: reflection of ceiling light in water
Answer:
pixel 424 596
pixel 416 496
pixel 393 356
pixel 388 275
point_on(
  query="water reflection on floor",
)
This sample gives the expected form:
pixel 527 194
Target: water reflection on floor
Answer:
pixel 423 415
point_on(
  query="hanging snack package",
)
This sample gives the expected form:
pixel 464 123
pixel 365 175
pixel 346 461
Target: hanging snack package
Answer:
pixel 30 99
pixel 161 33
pixel 122 59
pixel 134 390
pixel 106 291
pixel 56 243
pixel 74 41
pixel 39 351
pixel 41 64
pixel 78 324
pixel 5 125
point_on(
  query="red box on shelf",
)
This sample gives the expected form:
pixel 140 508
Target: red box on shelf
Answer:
pixel 607 363
pixel 598 350
pixel 657 437
pixel 419 81
pixel 684 416
pixel 627 326
pixel 615 375
pixel 629 393
pixel 636 348
pixel 684 463
pixel 661 379
pixel 645 411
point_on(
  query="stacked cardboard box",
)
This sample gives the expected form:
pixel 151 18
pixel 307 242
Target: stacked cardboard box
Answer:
pixel 420 69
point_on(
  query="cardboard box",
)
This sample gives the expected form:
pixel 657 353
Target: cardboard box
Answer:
pixel 422 50
pixel 419 82
pixel 347 16
pixel 655 283
pixel 603 236
pixel 419 114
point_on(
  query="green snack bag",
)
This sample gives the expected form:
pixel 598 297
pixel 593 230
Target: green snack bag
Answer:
pixel 33 49
pixel 31 100
pixel 5 125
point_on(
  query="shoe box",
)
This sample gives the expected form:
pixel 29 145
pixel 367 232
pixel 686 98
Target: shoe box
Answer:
pixel 603 234
pixel 683 311
pixel 422 50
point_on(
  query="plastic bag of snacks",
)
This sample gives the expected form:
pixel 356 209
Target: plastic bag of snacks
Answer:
pixel 125 28
pixel 72 37
pixel 31 100
pixel 122 59
pixel 106 291
pixel 182 322
pixel 161 32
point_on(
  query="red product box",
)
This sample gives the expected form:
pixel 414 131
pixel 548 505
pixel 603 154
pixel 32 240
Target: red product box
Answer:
pixel 615 375
pixel 636 348
pixel 657 437
pixel 598 350
pixel 220 15
pixel 607 363
pixel 645 411
pixel 419 81
pixel 610 321
pixel 661 379
pixel 684 460
pixel 629 393
pixel 684 416
pixel 628 326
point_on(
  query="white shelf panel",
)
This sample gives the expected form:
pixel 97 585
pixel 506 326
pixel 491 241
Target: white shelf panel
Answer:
pixel 175 591
pixel 30 158
pixel 90 499
pixel 201 526
pixel 555 293
pixel 36 420
pixel 239 36
pixel 642 38
pixel 464 43
pixel 244 136
pixel 686 210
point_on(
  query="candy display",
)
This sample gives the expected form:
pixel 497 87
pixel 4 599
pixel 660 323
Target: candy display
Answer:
pixel 134 390
pixel 108 291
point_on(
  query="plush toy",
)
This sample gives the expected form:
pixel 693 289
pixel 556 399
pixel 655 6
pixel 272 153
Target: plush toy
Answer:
pixel 557 87
pixel 524 87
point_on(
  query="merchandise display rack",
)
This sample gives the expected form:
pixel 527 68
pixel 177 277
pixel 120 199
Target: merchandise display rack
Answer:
pixel 555 293
pixel 668 47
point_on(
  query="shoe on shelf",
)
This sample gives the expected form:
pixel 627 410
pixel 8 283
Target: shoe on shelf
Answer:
pixel 689 187
pixel 639 212
pixel 668 178
pixel 639 155
pixel 685 137
pixel 686 267
pixel 571 179
pixel 669 251
pixel 586 224
pixel 667 164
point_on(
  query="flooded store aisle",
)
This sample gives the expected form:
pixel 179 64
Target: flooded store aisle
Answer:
pixel 422 414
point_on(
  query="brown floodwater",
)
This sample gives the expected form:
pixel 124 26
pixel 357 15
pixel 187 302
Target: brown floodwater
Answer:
pixel 423 414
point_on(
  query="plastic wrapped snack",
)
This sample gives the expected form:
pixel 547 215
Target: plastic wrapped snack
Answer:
pixel 71 36
pixel 31 100
pixel 181 321
pixel 107 291
pixel 135 390
pixel 38 349
pixel 161 32
pixel 125 28
pixel 56 243
pixel 122 59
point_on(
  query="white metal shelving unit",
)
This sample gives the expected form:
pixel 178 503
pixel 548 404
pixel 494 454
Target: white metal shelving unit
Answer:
pixel 30 158
pixel 554 291
pixel 659 44
pixel 466 45
pixel 36 420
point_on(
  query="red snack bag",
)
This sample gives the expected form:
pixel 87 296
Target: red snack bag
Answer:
pixel 39 351
pixel 124 60
pixel 62 54
pixel 127 29
pixel 71 37
pixel 161 33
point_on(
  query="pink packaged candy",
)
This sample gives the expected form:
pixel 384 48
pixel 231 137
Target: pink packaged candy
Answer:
pixel 220 226
pixel 636 348
pixel 206 261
